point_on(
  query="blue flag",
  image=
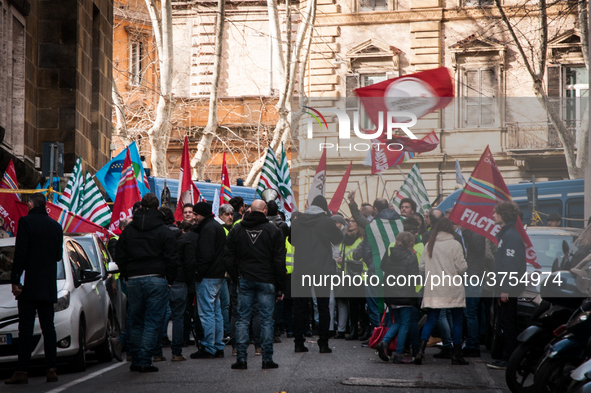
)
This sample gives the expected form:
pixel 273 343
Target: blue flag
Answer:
pixel 459 177
pixel 109 174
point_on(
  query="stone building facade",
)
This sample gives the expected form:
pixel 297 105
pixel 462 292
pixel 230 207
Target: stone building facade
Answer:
pixel 55 82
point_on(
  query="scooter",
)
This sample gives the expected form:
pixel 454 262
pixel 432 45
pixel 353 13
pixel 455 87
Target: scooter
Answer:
pixel 546 325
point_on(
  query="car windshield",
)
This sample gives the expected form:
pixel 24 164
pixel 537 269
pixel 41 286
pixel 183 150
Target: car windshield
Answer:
pixel 549 247
pixel 6 260
pixel 87 244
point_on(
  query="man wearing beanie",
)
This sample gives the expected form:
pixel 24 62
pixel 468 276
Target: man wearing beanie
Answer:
pixel 209 276
pixel 313 233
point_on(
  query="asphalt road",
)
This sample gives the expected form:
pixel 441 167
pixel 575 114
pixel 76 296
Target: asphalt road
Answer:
pixel 350 368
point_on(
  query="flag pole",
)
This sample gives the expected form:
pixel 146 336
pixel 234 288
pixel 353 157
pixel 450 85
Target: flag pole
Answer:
pixel 385 189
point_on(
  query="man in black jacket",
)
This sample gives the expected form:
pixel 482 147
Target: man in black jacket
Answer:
pixel 510 260
pixel 147 258
pixel 313 234
pixel 39 246
pixel 255 259
pixel 209 277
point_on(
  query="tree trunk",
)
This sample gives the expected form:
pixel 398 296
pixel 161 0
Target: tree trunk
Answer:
pixel 203 153
pixel 159 133
pixel 121 125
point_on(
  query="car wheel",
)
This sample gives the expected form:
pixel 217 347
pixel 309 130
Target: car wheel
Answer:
pixel 78 363
pixel 522 367
pixel 104 352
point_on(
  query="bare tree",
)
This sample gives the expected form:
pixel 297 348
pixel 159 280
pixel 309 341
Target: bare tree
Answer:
pixel 159 133
pixel 289 60
pixel 533 53
pixel 203 153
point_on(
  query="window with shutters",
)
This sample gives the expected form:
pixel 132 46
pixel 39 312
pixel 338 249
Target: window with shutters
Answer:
pixel 135 62
pixel 576 94
pixel 479 93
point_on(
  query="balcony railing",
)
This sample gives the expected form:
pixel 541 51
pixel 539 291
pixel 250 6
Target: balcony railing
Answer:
pixel 537 136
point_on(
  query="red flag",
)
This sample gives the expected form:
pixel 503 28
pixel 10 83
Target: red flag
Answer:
pixel 71 222
pixel 11 207
pixel 187 191
pixel 475 206
pixel 395 152
pixel 225 191
pixel 319 181
pixel 420 94
pixel 128 194
pixel 337 198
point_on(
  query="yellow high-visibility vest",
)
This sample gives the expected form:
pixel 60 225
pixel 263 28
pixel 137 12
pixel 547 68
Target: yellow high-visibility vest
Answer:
pixel 347 252
pixel 289 256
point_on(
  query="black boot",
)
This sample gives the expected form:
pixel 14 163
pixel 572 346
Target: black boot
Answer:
pixel 419 358
pixel 353 336
pixel 457 357
pixel 366 336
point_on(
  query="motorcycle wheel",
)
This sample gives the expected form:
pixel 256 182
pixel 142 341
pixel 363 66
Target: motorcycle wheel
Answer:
pixel 522 365
pixel 553 375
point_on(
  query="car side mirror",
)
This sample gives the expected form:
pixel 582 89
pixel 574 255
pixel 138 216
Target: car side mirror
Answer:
pixel 88 275
pixel 565 247
pixel 113 268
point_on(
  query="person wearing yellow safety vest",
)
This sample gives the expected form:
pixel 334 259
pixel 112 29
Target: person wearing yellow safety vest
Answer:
pixel 239 209
pixel 225 216
pixel 347 263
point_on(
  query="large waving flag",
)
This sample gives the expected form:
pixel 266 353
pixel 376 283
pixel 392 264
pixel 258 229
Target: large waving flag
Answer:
pixel 475 206
pixel 275 175
pixel 71 222
pixel 413 188
pixel 225 191
pixel 127 194
pixel 382 157
pixel 110 174
pixel 188 191
pixel 94 208
pixel 11 207
pixel 339 194
pixel 73 196
pixel 319 182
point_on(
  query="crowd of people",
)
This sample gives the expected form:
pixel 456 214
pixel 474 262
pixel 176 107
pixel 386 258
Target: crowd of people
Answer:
pixel 226 279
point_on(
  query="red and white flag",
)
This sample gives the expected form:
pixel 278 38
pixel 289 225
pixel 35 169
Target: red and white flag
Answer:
pixel 225 190
pixel 128 194
pixel 11 207
pixel 386 155
pixel 337 198
pixel 319 181
pixel 187 192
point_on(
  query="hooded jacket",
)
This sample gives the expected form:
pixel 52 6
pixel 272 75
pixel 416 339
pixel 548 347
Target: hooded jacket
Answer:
pixel 312 235
pixel 147 246
pixel 209 257
pixel 279 223
pixel 255 251
pixel 399 261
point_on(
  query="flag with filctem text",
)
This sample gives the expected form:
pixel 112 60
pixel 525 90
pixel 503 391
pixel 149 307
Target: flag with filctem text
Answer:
pixel 475 206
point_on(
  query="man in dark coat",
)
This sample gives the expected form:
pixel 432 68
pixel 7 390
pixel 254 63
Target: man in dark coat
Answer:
pixel 313 234
pixel 255 259
pixel 510 259
pixel 147 258
pixel 209 277
pixel 39 246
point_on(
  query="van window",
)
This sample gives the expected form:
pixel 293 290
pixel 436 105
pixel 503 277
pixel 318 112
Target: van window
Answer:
pixel 575 208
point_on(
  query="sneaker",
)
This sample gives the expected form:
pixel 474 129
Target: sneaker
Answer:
pixel 117 349
pixel 365 344
pixel 227 340
pixel 202 355
pixel 406 360
pixel 159 359
pixel 258 351
pixel 179 358
pixel 498 365
pixel 234 352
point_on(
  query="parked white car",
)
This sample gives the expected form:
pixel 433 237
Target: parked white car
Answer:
pixel 84 316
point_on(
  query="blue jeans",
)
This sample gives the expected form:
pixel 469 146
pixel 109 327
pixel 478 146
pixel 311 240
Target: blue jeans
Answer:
pixel 413 332
pixel 401 326
pixel 210 313
pixel 148 298
pixel 445 325
pixel 248 292
pixel 373 311
pixel 225 304
pixel 178 302
pixel 471 314
pixel 457 315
